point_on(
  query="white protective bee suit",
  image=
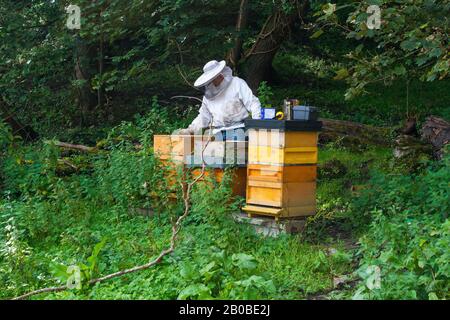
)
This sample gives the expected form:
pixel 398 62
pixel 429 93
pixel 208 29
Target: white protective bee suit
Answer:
pixel 225 106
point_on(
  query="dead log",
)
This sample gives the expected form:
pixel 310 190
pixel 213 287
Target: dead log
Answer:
pixel 76 147
pixel 437 132
pixel 353 133
pixel 411 147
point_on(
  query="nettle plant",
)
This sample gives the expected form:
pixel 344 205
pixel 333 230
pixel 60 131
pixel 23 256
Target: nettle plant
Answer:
pixel 222 276
pixel 265 94
pixel 78 276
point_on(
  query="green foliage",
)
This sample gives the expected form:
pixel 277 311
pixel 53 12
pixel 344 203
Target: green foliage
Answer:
pixel 6 136
pixel 265 95
pixel 382 106
pixel 67 227
pixel 223 277
pixel 407 235
pixel 299 66
pixel 158 120
pixel 131 52
pixel 202 197
pixel 87 272
pixel 411 42
pixel 16 269
pixel 31 173
pixel 126 177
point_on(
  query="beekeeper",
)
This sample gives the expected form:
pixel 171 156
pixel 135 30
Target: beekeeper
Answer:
pixel 227 100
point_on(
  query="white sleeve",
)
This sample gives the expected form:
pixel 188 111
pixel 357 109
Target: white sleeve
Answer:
pixel 203 119
pixel 250 101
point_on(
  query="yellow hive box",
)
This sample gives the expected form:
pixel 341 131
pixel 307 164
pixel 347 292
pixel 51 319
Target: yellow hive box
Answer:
pixel 277 147
pixel 239 179
pixel 275 194
pixel 305 173
pixel 282 156
pixel 289 191
pixel 282 139
pixel 174 147
pixel 228 152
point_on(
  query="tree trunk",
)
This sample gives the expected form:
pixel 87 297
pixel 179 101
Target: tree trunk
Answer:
pixel 258 60
pixel 83 73
pixel 236 53
pixel 101 64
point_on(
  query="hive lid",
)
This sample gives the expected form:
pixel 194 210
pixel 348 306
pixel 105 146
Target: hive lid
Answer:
pixel 284 125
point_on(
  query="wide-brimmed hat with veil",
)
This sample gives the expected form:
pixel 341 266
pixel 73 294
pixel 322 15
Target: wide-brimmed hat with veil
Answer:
pixel 211 70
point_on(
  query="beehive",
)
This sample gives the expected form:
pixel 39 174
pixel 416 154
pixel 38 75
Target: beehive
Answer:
pixel 187 153
pixel 220 152
pixel 282 169
pixel 219 156
pixel 171 151
pixel 276 147
pixel 239 178
pixel 174 147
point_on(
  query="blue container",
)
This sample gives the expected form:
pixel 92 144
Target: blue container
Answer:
pixel 268 113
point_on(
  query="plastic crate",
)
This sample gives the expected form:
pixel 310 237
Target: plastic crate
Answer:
pixel 304 113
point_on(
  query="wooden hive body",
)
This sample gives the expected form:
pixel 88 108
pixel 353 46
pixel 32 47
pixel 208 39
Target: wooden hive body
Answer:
pixel 282 172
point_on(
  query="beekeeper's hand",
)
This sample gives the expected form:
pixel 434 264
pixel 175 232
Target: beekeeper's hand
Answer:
pixel 184 132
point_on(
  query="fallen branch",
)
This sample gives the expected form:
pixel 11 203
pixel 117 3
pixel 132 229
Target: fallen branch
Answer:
pixel 68 163
pixel 176 227
pixel 354 133
pixel 77 147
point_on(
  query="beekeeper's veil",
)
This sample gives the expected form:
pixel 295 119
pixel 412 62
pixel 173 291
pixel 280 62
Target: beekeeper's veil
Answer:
pixel 211 71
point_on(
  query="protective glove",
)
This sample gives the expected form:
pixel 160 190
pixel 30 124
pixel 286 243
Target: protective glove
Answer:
pixel 184 132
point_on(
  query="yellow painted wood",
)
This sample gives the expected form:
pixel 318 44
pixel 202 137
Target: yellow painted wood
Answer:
pixel 279 156
pixel 239 180
pixel 265 184
pixel 264 196
pixel 174 147
pixel 228 150
pixel 281 194
pixel 304 211
pixel 258 210
pixel 280 173
pixel 282 139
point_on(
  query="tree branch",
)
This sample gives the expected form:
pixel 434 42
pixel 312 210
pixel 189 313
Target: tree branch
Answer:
pixel 77 147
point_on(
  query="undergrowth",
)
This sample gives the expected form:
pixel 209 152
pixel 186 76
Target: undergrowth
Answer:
pixel 375 223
